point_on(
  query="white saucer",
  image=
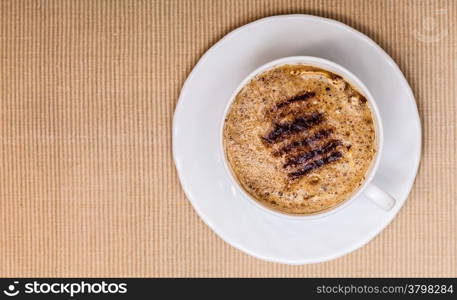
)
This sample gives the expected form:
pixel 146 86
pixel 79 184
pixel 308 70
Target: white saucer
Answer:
pixel 196 137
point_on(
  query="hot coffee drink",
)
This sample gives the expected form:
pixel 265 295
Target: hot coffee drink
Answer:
pixel 299 139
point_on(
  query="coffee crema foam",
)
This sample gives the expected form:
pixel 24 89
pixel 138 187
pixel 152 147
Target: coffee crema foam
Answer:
pixel 299 139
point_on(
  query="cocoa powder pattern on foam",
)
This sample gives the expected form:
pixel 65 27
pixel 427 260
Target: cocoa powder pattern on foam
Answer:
pixel 301 159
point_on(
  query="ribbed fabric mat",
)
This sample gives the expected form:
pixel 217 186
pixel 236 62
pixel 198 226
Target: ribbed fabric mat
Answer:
pixel 87 94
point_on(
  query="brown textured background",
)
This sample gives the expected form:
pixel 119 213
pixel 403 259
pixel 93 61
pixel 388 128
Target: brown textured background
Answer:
pixel 87 93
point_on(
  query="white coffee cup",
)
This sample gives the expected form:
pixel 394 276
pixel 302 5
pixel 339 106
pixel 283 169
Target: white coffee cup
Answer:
pixel 381 198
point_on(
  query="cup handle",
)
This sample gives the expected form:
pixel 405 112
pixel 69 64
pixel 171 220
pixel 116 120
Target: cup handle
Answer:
pixel 379 197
